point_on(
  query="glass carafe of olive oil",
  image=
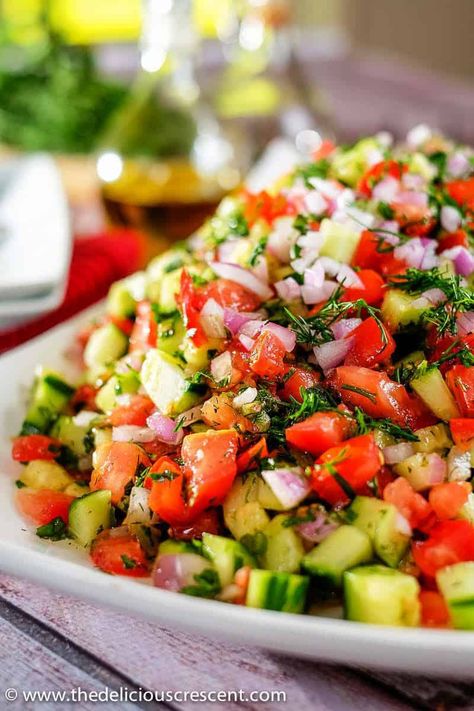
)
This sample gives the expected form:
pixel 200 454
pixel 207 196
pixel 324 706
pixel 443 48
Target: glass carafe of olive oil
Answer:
pixel 165 163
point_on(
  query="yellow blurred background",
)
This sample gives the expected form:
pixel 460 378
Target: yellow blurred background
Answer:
pixel 436 34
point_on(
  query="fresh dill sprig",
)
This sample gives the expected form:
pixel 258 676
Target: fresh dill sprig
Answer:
pixel 366 424
pixel 458 297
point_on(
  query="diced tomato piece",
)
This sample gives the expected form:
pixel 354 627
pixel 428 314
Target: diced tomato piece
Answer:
pixel 377 172
pixel 219 414
pixel 324 150
pixel 410 504
pixel 376 254
pixel 462 430
pixel 118 552
pixel 84 398
pixel 266 356
pixel 351 464
pixel 434 610
pixel 207 522
pixel 372 292
pixel 267 207
pixel 35 446
pixel 452 239
pixel 298 378
pixel 319 432
pixel 448 499
pixel 231 295
pixel 371 344
pixel 462 191
pixel 124 324
pixel 374 393
pixel 209 466
pixel 250 456
pixel 460 380
pixel 416 221
pixel 135 412
pixel 167 492
pixel 191 303
pixel 145 330
pixel 449 542
pixel 42 506
pixel 115 466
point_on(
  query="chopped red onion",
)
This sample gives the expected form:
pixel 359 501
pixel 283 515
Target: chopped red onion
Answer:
pixel 314 276
pixel 412 181
pixel 226 249
pixel 330 189
pixel 464 262
pixel 432 470
pixel 288 289
pixel 221 367
pixel 342 328
pixel 396 453
pixel 282 238
pixel 261 269
pixel 315 203
pixel 386 189
pixel 330 266
pixel 284 335
pixel 164 428
pixel 412 252
pixel 174 572
pixel 252 328
pixel 138 507
pixel 331 354
pixel 419 135
pixel 247 342
pixel 347 276
pixel 430 258
pixel 212 319
pixel 234 320
pixel 450 218
pixel 317 530
pixel 132 433
pixel 458 164
pixel 289 485
pixel 465 322
pixel 402 525
pixel 435 296
pixel 411 197
pixel 459 464
pixel 243 277
pixel 84 418
pixel 245 397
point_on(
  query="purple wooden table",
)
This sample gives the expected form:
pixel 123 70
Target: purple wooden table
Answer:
pixel 51 642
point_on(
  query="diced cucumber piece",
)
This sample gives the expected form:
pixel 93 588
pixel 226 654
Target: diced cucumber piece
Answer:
pixel 199 357
pixel 227 556
pixel 124 294
pixel 169 289
pixel 434 392
pixel 89 515
pixel 50 395
pixel 119 384
pixel 173 547
pixel 414 469
pixel 433 439
pixel 284 550
pixel 340 241
pixel 70 434
pixel 398 309
pixel 456 583
pixel 171 332
pixel 344 548
pixel 166 384
pixel 105 345
pixel 380 521
pixel 43 474
pixel 351 164
pixel 381 596
pixel 277 591
pixel 243 512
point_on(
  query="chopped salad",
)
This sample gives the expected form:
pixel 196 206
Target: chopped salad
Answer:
pixel 279 413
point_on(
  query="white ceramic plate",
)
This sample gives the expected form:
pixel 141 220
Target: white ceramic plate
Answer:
pixel 64 567
pixel 35 236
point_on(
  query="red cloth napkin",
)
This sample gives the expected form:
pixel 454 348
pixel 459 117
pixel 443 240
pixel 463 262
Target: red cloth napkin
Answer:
pixel 96 262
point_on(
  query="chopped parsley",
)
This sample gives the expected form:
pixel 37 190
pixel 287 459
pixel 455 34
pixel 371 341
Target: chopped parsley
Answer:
pixel 207 584
pixel 128 563
pixel 55 530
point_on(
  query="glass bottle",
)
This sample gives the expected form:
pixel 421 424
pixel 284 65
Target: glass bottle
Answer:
pixel 165 162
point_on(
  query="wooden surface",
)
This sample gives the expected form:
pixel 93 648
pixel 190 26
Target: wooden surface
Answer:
pixel 51 642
